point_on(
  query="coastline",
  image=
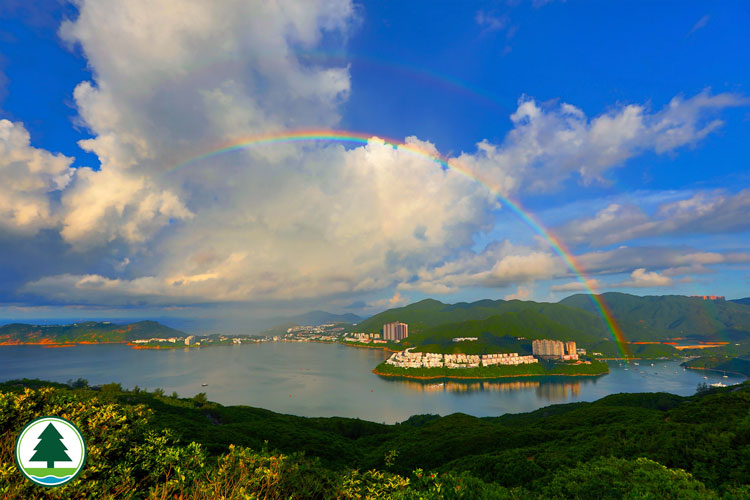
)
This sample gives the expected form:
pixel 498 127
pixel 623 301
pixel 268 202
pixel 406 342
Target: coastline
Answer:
pixel 62 344
pixel 350 344
pixel 479 377
pixel 717 371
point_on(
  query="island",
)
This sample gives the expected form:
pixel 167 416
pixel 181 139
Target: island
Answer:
pixel 432 365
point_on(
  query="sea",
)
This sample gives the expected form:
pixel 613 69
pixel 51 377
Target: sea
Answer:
pixel 324 380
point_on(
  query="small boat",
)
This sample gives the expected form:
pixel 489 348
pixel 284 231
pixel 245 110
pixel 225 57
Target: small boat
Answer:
pixel 635 363
pixel 204 385
pixel 652 364
pixel 718 384
pixel 726 376
pixel 705 377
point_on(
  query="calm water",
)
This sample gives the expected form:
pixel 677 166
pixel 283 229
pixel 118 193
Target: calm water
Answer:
pixel 328 380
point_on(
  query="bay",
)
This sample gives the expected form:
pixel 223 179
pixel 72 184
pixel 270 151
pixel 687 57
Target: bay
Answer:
pixel 313 379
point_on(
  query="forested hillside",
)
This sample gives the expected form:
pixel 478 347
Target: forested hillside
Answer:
pixel 623 446
pixel 672 316
pixel 19 333
pixel 430 313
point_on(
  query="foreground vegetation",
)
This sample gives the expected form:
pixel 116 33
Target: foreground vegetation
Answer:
pixel 148 445
pixel 540 369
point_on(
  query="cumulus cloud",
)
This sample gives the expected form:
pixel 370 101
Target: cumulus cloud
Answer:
pixel 640 278
pixel 501 264
pixel 169 87
pixel 703 212
pixel 576 286
pixel 292 221
pixel 550 143
pixel 31 180
pixel 522 293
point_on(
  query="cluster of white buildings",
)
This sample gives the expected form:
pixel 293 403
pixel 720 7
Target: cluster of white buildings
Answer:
pixel 409 359
pixel 465 339
pixel 507 359
pixel 172 340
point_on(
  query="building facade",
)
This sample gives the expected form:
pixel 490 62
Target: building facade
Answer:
pixel 395 331
pixel 554 349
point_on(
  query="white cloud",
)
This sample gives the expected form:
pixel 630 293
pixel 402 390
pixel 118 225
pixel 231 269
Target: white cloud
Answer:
pixel 548 144
pixel 491 22
pixel 575 286
pixel 522 293
pixel 700 24
pixel 29 177
pixel 294 221
pixel 499 265
pixel 640 278
pixel 703 212
pixel 167 87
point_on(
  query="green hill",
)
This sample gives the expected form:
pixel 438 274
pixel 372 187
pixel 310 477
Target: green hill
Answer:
pixel 19 333
pixel 721 363
pixel 433 323
pixel 430 313
pixel 672 316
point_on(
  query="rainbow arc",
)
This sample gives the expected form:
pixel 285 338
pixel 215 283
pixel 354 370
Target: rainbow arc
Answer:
pixel 444 162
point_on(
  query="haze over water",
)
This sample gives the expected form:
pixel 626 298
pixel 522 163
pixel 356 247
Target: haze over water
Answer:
pixel 310 379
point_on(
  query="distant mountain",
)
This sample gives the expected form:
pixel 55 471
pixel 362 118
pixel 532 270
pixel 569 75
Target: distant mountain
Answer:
pixel 311 318
pixel 90 331
pixel 429 313
pixel 670 316
pixel 745 301
pixel 497 324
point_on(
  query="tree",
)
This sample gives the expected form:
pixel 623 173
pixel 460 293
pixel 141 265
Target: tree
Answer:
pixel 50 448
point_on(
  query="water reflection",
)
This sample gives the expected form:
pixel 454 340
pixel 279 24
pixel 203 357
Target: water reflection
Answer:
pixel 558 391
pixel 550 390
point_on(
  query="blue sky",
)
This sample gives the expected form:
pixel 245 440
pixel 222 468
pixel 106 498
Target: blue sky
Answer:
pixel 621 126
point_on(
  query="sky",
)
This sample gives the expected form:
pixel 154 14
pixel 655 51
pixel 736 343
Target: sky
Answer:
pixel 504 149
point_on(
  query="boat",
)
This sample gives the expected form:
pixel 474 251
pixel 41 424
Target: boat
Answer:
pixel 635 363
pixel 718 384
pixel 652 364
pixel 705 377
pixel 726 376
pixel 204 385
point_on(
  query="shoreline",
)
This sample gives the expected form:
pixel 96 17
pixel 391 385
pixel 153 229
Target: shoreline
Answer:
pixel 384 348
pixel 459 377
pixel 62 344
pixel 718 371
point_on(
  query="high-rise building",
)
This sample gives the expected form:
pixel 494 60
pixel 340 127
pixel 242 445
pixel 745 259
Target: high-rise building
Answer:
pixel 190 339
pixel 395 331
pixel 551 348
pixel 570 347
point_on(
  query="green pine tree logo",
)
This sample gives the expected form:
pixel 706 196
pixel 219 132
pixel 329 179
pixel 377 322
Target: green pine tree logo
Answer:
pixel 50 451
pixel 50 448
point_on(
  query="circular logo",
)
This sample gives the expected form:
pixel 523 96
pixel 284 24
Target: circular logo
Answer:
pixel 50 451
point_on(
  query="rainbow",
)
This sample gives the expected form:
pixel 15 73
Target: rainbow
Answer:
pixel 447 163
